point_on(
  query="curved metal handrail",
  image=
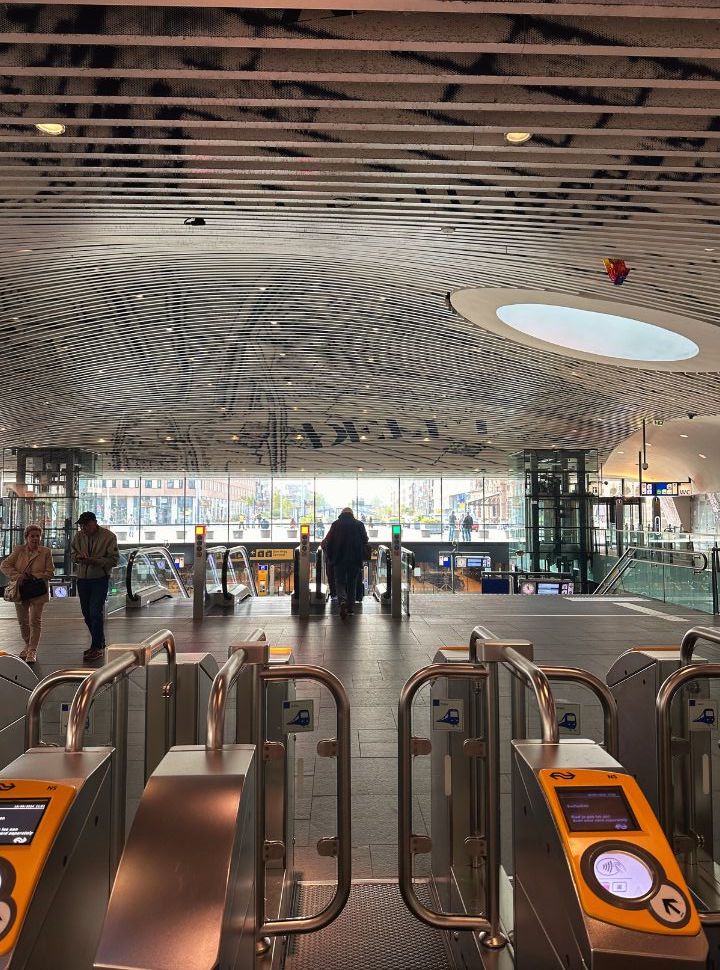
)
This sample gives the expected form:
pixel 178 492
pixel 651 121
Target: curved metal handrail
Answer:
pixel 533 677
pixel 147 551
pixel 603 694
pixel 687 646
pixel 127 660
pixel 40 694
pixel 656 556
pixel 431 917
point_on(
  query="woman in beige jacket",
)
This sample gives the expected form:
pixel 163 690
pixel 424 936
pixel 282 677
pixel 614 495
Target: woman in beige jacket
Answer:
pixel 25 561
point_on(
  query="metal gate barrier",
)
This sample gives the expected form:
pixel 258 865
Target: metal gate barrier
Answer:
pixel 165 835
pixel 556 913
pixel 689 822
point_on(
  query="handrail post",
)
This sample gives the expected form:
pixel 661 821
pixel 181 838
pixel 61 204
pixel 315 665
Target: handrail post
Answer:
pixel 494 938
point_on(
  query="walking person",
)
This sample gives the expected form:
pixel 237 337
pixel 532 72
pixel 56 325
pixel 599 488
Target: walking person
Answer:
pixel 452 525
pixel 347 549
pixel 30 566
pixel 467 524
pixel 95 552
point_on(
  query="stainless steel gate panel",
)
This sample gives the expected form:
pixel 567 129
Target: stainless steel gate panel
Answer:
pixel 279 778
pixel 63 921
pixel 17 682
pixel 635 679
pixel 195 674
pixel 184 892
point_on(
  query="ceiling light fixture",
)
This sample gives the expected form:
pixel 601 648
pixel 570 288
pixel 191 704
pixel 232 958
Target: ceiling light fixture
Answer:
pixel 700 455
pixel 101 441
pixel 517 137
pixel 51 128
pixel 683 436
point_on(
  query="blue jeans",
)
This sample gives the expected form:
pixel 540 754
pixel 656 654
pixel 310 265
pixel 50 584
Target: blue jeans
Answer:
pixel 93 593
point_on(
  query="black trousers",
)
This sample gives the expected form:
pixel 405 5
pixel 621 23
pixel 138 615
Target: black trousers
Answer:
pixel 346 581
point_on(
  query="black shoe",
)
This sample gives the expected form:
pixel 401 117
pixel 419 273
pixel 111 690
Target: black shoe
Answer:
pixel 343 610
pixel 92 656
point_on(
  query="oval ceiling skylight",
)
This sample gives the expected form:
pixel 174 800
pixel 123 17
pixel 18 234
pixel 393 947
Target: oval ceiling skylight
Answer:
pixel 602 334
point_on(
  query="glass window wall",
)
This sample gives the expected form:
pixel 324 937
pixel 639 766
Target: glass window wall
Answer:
pixel 151 510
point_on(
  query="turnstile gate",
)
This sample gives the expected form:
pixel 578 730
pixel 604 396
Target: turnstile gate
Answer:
pixel 17 682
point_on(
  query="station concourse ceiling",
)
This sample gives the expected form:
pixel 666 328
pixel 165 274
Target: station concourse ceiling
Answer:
pixel 346 170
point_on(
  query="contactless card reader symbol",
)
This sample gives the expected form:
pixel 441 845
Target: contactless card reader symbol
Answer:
pixel 298 716
pixel 448 714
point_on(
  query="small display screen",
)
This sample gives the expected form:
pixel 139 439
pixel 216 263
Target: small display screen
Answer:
pixel 479 562
pixel 548 589
pixel 623 874
pixel 596 810
pixel 19 819
pixel 567 589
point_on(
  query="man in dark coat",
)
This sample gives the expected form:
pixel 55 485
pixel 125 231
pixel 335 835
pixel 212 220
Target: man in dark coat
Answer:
pixel 346 545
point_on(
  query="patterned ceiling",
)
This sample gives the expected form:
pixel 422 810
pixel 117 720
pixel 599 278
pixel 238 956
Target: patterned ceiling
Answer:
pixel 351 171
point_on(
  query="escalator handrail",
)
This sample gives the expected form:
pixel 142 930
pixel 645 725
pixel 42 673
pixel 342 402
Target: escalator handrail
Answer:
pixel 229 552
pixel 155 550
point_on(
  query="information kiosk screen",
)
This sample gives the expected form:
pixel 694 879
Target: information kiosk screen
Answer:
pixel 548 589
pixel 596 810
pixel 479 562
pixel 20 818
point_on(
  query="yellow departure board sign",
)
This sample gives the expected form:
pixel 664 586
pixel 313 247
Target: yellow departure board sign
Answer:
pixel 264 555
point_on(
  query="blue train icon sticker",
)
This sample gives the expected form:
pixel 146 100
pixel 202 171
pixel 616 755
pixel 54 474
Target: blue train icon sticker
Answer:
pixel 568 719
pixel 298 716
pixel 702 714
pixel 448 714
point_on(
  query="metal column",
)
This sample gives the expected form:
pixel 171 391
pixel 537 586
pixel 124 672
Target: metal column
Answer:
pixel 396 572
pixel 304 573
pixel 199 566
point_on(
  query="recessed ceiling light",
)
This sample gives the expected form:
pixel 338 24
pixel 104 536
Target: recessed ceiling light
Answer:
pixel 683 436
pixel 51 128
pixel 101 372
pixel 282 355
pixel 139 296
pixel 168 437
pixel 298 437
pixel 101 441
pixel 517 137
pixel 289 382
pixel 700 455
pixel 426 439
pixel 273 323
pixel 295 407
pixel 621 453
pixel 262 288
pixel 363 437
pixel 709 249
pixel 169 329
pixel 359 469
pixel 236 437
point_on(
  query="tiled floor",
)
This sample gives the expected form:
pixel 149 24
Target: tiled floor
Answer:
pixel 373 655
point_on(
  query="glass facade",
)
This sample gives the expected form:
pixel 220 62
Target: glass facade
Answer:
pixel 145 509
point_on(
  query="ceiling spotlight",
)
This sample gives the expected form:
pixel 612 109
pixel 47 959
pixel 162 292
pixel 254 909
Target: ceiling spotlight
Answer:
pixel 236 437
pixel 194 221
pixel 621 453
pixel 298 437
pixel 262 288
pixel 363 437
pixel 683 436
pixel 281 355
pixel 168 437
pixel 51 128
pixel 701 455
pixel 517 137
pixel 101 441
pixel 169 329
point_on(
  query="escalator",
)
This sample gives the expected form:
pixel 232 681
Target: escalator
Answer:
pixel 229 578
pixel 146 575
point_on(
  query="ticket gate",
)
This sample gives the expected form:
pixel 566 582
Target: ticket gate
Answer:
pixel 587 880
pixel 61 827
pixel 311 591
pixel 671 750
pixel 17 682
pixel 203 817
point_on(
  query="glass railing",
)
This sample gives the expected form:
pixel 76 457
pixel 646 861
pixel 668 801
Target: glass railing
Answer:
pixel 609 541
pixel 675 576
